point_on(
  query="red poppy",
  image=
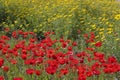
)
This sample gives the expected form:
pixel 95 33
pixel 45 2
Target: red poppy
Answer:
pixel 15 53
pixel 32 40
pixel 74 62
pixel 61 61
pixel 24 51
pixel 24 56
pixel 53 63
pixel 2 41
pixel 90 49
pixel 7 29
pixel 107 70
pixel 4 51
pixel 64 71
pixel 1 62
pixel 5 37
pixel 82 60
pixel 50 53
pixel 30 71
pixel 61 40
pixel 89 73
pixel 2 78
pixel 70 48
pixel 37 72
pixel 82 77
pixel 20 32
pixel 47 33
pixel 79 55
pixel 1 46
pixel 5 68
pixel 81 70
pixel 51 70
pixel 112 59
pixel 14 34
pixel 98 44
pixel 99 55
pixel 96 72
pixel 32 33
pixel 39 60
pixel 85 35
pixel 25 34
pixel 74 43
pixel 69 53
pixel 64 44
pixel 13 61
pixel 18 78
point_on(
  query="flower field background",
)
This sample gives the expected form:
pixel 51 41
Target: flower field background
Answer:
pixel 59 40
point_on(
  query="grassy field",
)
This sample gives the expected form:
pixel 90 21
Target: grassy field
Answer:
pixel 59 40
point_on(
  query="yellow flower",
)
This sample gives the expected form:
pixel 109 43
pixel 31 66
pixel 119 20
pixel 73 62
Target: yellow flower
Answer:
pixel 101 29
pixel 35 30
pixel 97 36
pixel 84 10
pixel 117 17
pixel 12 25
pixel 40 25
pixel 103 38
pixel 110 25
pixel 109 32
pixel 101 33
pixel 109 29
pixel 117 39
pixel 92 43
pixel 21 26
pixel 70 15
pixel 15 22
pixel 93 26
pixel 107 22
pixel 49 20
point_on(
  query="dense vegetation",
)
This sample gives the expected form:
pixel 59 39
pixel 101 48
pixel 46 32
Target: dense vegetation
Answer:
pixel 34 34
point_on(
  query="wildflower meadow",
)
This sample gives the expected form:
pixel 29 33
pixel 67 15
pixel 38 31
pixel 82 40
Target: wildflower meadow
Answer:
pixel 59 40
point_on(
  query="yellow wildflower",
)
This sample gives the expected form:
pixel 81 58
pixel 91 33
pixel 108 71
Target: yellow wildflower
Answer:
pixel 35 30
pixel 117 17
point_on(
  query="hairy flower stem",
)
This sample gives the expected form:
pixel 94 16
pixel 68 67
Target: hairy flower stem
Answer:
pixel 5 75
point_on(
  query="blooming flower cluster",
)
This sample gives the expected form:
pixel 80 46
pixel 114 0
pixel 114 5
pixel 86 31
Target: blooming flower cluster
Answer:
pixel 53 57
